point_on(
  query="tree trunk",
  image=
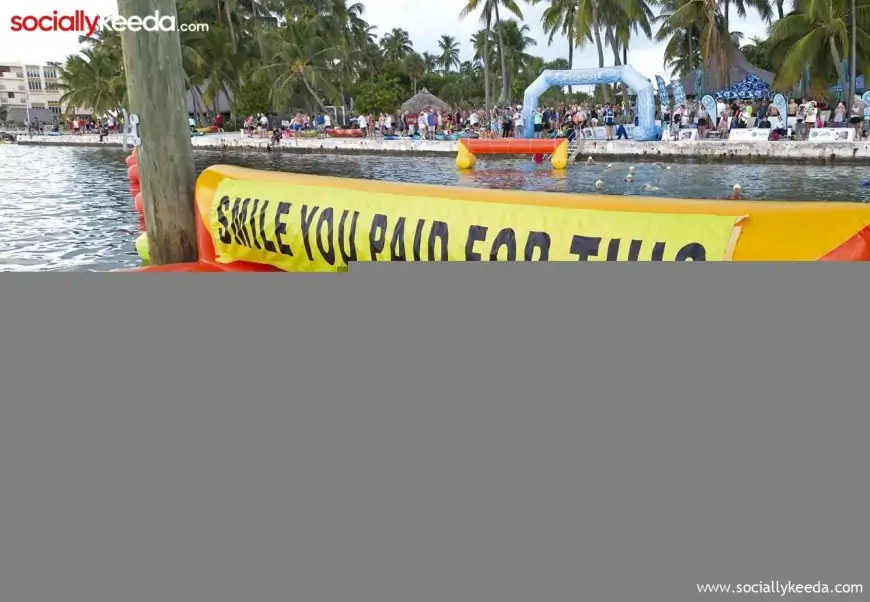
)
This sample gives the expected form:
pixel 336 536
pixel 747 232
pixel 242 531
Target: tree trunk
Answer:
pixel 505 93
pixel 614 45
pixel 854 55
pixel 312 92
pixel 726 8
pixel 202 102
pixel 571 47
pixel 155 84
pixel 779 8
pixel 596 30
pixel 838 64
pixel 691 52
pixel 627 110
pixel 487 97
pixel 229 100
pixel 194 98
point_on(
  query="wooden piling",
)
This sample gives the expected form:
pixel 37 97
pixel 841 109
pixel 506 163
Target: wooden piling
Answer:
pixel 157 95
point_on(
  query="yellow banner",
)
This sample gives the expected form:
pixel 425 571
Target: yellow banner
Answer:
pixel 316 229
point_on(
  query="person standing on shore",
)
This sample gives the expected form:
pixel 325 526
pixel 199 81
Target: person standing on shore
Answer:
pixel 773 116
pixel 856 116
pixel 519 123
pixel 839 115
pixel 608 121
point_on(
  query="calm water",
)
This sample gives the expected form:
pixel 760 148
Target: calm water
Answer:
pixel 66 208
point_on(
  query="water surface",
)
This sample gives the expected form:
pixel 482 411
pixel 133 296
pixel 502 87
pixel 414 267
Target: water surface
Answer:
pixel 69 208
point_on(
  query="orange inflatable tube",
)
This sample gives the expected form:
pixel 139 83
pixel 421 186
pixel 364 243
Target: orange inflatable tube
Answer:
pixel 468 150
pixel 769 231
pixel 511 146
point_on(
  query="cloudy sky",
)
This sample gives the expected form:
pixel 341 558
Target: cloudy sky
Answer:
pixel 425 21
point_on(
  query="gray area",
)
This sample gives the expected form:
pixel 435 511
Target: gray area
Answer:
pixel 431 433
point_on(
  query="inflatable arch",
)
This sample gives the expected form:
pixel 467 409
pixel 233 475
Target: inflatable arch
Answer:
pixel 646 128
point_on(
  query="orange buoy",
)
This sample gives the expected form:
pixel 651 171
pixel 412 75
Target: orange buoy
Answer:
pixel 131 160
pixel 139 204
pixel 133 173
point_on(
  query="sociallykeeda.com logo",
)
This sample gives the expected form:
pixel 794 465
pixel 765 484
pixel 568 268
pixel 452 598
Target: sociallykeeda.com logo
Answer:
pixel 86 24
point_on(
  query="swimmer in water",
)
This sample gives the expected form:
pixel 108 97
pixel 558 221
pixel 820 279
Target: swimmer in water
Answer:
pixel 631 169
pixel 668 167
pixel 649 188
pixel 629 178
pixel 609 165
pixel 599 185
pixel 735 193
pixel 590 161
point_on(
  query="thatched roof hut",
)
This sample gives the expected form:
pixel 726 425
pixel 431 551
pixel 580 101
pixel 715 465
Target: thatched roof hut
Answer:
pixel 422 100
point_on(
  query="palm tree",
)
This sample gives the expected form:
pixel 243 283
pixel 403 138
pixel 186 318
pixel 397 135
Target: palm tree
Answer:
pixel 715 45
pixel 623 19
pixel 762 7
pixel 516 43
pixel 415 68
pixel 480 42
pixel 430 61
pixel 300 55
pixel 816 33
pixel 757 52
pixel 589 22
pixel 94 78
pixel 213 59
pixel 489 14
pixel 853 54
pixel 449 56
pixel 560 17
pixel 486 18
pixel 396 45
pixel 682 49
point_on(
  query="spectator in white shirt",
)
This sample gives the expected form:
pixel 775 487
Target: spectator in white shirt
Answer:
pixel 423 123
pixel 518 122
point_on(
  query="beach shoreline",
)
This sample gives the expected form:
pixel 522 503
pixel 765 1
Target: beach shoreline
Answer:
pixel 708 151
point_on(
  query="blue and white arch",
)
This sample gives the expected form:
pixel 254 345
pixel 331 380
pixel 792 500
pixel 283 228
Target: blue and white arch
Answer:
pixel 645 129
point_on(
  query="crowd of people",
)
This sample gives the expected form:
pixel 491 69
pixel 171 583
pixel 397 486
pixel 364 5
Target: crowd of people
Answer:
pixel 500 122
pixel 800 117
pixel 569 120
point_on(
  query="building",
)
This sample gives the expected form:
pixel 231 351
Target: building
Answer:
pixel 33 87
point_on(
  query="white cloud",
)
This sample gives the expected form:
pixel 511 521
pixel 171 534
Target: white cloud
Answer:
pixel 425 22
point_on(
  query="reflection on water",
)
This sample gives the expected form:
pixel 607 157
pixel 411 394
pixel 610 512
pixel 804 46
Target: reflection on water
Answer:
pixel 67 208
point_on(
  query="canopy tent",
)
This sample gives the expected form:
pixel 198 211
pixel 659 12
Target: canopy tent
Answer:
pixel 750 87
pixel 740 68
pixel 423 100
